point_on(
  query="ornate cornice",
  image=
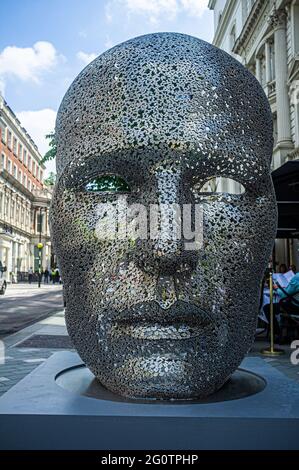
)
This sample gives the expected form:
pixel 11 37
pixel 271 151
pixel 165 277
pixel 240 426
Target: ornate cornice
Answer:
pixel 277 19
pixel 250 25
pixel 226 17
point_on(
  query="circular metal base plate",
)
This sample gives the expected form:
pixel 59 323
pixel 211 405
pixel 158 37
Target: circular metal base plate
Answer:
pixel 81 381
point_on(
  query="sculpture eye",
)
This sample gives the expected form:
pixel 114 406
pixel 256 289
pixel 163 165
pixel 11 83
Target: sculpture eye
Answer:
pixel 220 185
pixel 107 183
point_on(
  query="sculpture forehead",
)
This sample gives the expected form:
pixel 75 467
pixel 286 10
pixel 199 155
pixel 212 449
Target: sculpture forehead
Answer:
pixel 163 89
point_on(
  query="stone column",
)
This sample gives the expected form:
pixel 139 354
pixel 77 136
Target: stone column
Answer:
pixel 284 140
pixel 9 261
pixel 258 69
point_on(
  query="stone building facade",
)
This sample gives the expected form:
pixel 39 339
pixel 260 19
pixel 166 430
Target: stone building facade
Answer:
pixel 264 36
pixel 24 200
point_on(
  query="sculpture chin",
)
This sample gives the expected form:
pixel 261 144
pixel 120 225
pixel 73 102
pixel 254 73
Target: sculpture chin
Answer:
pixel 165 377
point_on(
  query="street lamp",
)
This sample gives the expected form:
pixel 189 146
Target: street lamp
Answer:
pixel 40 247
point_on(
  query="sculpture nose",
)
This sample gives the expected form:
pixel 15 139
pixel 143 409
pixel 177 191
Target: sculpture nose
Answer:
pixel 165 252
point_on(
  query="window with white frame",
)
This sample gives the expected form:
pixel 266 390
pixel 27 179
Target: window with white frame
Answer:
pixel 15 171
pixel 20 176
pixel 9 137
pixel 15 145
pixel 9 165
pixel 20 151
pixel 25 157
pixel 272 61
pixel 12 209
pixel 3 161
pixel 3 131
pixel 232 37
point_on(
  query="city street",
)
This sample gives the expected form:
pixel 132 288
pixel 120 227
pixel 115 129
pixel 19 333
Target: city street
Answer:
pixel 24 304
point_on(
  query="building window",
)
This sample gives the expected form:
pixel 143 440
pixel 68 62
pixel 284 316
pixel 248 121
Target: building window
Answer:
pixel 39 222
pixel 24 180
pixel 14 149
pixel 275 131
pixel 3 161
pixel 20 151
pixel 9 136
pixel 272 62
pixel 33 168
pixel 3 131
pixel 25 157
pixel 15 171
pixel 33 186
pixel 219 18
pixel 29 185
pixel 20 176
pixel 9 165
pixel 12 210
pixel 17 212
pixel 29 163
pixel 232 37
pixel 41 175
pixel 263 71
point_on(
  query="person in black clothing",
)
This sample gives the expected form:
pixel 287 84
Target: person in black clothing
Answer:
pixel 46 276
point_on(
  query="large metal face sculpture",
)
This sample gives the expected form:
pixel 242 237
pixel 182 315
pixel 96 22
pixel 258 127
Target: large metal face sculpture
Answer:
pixel 150 122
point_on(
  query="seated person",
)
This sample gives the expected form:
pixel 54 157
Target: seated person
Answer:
pixel 276 311
pixel 289 296
pixel 283 268
pixel 293 268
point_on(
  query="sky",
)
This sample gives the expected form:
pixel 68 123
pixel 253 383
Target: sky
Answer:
pixel 44 44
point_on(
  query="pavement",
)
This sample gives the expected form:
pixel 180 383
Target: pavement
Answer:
pixel 24 350
pixel 24 304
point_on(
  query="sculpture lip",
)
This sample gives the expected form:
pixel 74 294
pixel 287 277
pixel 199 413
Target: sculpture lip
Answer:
pixel 148 321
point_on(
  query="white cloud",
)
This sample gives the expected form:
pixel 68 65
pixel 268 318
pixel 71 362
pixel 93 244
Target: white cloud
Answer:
pixel 27 63
pixel 153 10
pixel 82 34
pixel 38 124
pixel 108 43
pixel 85 57
pixel 2 87
pixel 194 7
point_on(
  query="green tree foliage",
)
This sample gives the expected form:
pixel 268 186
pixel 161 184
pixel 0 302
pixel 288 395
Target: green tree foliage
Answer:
pixel 51 153
pixel 50 181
